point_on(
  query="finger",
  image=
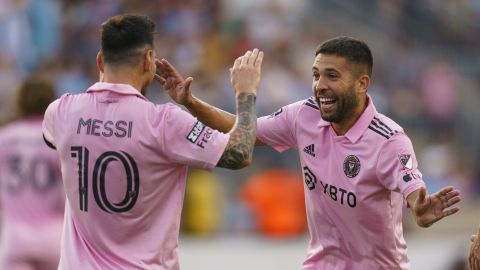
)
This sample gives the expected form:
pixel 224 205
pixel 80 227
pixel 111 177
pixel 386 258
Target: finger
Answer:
pixel 445 190
pixel 160 79
pixel 245 58
pixel 450 195
pixel 421 195
pixel 237 62
pixel 188 82
pixel 253 57
pixel 169 68
pixel 450 212
pixel 473 237
pixel 475 262
pixel 259 60
pixel 452 202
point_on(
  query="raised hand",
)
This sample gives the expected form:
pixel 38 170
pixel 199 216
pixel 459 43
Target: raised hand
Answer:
pixel 429 209
pixel 245 73
pixel 171 80
pixel 474 255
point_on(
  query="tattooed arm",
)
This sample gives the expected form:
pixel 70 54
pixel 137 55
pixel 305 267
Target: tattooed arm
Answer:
pixel 239 150
pixel 245 77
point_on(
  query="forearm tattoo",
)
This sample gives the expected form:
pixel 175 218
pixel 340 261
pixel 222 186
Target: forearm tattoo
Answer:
pixel 242 137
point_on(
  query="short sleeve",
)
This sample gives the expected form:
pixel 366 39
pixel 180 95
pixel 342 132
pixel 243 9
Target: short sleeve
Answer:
pixel 48 126
pixel 397 167
pixel 188 141
pixel 278 128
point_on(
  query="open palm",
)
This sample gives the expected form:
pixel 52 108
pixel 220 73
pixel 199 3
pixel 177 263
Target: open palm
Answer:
pixel 430 208
pixel 171 80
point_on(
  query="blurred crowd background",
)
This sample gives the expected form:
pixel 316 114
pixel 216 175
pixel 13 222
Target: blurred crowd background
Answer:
pixel 426 77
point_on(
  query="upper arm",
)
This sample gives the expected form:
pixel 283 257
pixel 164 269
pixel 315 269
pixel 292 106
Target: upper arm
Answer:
pixel 278 128
pixel 49 121
pixel 397 166
pixel 185 140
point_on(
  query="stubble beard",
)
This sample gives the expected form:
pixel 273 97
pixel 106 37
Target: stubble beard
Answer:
pixel 346 105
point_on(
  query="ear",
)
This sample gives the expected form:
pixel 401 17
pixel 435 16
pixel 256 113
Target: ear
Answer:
pixel 363 82
pixel 100 63
pixel 149 60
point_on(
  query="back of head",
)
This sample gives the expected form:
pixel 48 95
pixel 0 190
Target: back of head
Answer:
pixel 34 96
pixel 124 38
pixel 353 50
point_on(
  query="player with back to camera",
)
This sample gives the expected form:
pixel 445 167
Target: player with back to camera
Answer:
pixel 125 160
pixel 32 200
pixel 359 166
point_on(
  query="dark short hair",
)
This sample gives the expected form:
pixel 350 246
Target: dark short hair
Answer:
pixel 353 50
pixel 122 37
pixel 34 96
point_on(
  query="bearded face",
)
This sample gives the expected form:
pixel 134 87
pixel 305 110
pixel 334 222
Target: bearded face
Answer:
pixel 334 88
pixel 336 108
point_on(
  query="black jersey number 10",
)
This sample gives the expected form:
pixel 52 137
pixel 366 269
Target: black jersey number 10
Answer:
pixel 98 179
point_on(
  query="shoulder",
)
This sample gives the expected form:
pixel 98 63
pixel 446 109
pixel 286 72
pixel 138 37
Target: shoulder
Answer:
pixel 167 114
pixel 385 127
pixel 307 105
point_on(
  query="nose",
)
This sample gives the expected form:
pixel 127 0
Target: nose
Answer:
pixel 319 86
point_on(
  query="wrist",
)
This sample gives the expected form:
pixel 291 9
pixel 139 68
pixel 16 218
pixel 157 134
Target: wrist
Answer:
pixel 252 92
pixel 191 103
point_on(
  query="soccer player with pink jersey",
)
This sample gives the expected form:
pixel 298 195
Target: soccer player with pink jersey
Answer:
pixel 31 193
pixel 124 159
pixel 359 166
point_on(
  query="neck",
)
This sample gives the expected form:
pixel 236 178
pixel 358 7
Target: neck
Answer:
pixel 123 76
pixel 343 127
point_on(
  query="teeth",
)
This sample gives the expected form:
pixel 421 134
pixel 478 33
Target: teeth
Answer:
pixel 327 100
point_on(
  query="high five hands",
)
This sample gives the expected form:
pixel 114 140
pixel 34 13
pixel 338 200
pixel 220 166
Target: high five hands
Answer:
pixel 244 76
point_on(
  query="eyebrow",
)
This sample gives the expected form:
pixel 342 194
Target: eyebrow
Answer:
pixel 327 69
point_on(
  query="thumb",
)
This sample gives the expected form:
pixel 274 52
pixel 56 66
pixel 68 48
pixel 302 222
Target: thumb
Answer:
pixel 421 195
pixel 473 237
pixel 188 82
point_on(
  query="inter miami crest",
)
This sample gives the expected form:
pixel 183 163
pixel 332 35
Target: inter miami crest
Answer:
pixel 351 166
pixel 406 161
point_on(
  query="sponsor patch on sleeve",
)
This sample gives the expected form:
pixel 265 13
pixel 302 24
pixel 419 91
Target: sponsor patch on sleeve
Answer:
pixel 195 132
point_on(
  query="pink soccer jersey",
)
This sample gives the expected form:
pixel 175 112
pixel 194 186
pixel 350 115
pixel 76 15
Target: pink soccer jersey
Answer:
pixel 124 167
pixel 355 185
pixel 31 197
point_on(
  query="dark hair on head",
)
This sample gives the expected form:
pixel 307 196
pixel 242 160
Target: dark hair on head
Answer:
pixel 123 38
pixel 353 50
pixel 34 96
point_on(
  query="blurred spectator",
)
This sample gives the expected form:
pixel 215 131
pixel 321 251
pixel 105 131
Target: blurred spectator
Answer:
pixel 203 203
pixel 277 202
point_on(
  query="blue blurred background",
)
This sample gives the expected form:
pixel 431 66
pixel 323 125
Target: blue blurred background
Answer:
pixel 426 77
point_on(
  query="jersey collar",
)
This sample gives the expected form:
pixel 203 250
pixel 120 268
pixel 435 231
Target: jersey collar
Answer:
pixel 122 89
pixel 357 130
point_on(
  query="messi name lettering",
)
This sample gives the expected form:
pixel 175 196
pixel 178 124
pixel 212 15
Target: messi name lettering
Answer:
pixel 95 127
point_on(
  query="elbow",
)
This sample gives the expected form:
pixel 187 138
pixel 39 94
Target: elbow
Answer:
pixel 234 159
pixel 244 163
